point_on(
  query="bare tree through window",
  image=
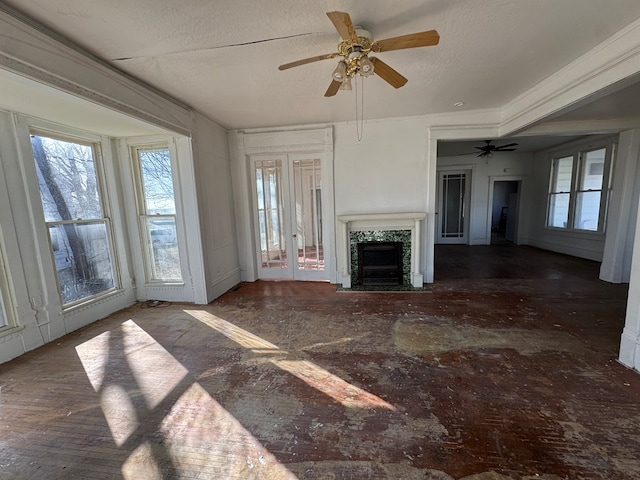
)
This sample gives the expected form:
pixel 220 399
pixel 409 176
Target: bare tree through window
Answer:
pixel 157 208
pixel 78 229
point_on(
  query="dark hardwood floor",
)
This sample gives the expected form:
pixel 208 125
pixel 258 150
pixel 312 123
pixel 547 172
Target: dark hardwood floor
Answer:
pixel 505 369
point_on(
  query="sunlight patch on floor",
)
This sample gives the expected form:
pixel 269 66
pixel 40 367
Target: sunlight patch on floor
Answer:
pixel 194 430
pixel 317 377
pixel 94 355
pixel 199 431
pixel 141 465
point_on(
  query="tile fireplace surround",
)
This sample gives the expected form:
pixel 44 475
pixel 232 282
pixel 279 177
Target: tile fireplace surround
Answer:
pixel 379 222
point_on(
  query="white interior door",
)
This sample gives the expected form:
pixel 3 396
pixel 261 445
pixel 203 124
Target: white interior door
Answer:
pixel 453 208
pixel 289 215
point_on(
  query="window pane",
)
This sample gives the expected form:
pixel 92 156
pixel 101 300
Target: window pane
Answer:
pixel 163 245
pixel 587 210
pixel 592 173
pixel 157 181
pixel 67 179
pixel 563 168
pixel 558 210
pixel 82 258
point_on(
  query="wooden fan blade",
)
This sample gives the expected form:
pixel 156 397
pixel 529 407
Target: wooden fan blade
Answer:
pixel 307 60
pixel 413 40
pixel 333 89
pixel 344 25
pixel 387 73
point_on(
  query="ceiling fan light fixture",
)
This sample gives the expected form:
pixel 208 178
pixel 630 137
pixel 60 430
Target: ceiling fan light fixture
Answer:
pixel 346 84
pixel 366 66
pixel 340 73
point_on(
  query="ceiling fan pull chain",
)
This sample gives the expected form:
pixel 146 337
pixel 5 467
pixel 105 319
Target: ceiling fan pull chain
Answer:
pixel 360 114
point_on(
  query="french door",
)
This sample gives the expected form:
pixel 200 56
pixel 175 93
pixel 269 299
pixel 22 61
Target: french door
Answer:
pixel 288 208
pixel 453 209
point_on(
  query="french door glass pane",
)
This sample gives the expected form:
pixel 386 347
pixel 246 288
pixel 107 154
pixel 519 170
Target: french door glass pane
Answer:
pixel 559 210
pixel 308 201
pixel 453 186
pixel 82 257
pixel 162 242
pixel 271 214
pixel 587 210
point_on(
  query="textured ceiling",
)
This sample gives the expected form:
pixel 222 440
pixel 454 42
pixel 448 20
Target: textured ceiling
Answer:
pixel 221 57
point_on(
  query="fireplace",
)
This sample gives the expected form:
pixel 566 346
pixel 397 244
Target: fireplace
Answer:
pixel 412 223
pixel 380 263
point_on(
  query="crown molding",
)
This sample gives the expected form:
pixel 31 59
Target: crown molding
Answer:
pixel 613 60
pixel 32 51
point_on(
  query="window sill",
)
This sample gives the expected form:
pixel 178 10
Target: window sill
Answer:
pixel 575 232
pixel 9 330
pixel 91 301
pixel 164 284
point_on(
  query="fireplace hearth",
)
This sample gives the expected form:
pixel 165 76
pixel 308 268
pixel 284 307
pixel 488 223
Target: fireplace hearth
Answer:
pixel 380 263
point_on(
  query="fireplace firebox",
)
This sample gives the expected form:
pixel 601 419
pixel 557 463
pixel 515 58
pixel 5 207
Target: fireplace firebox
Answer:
pixel 380 263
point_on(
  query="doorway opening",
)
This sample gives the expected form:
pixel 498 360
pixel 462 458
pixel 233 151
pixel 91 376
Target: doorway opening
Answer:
pixel 504 211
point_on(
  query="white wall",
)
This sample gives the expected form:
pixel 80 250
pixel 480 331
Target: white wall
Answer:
pixel 630 339
pixel 501 166
pixel 621 219
pixel 386 172
pixel 215 204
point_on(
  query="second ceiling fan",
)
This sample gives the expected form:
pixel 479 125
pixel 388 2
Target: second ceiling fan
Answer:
pixel 354 49
pixel 488 149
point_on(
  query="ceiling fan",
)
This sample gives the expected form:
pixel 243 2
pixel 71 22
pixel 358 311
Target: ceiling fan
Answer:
pixel 354 49
pixel 488 149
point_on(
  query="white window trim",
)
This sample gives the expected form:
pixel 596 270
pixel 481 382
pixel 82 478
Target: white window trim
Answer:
pixel 578 151
pixel 141 214
pixel 96 143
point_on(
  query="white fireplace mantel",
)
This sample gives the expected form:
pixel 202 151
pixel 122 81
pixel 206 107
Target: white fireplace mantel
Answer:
pixel 377 222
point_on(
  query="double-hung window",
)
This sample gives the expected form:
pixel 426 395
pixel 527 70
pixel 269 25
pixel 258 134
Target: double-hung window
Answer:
pixel 579 189
pixel 560 192
pixel 157 213
pixel 71 190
